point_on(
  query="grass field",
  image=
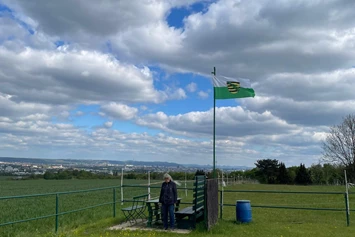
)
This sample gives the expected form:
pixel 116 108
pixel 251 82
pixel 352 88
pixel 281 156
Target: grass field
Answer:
pixel 94 222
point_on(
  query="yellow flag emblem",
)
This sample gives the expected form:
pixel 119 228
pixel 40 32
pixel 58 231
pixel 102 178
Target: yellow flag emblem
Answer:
pixel 233 86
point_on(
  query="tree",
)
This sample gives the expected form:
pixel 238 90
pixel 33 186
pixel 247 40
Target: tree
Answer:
pixel 303 176
pixel 200 172
pixel 317 174
pixel 267 170
pixel 49 175
pixel 292 171
pixel 283 176
pixel 339 145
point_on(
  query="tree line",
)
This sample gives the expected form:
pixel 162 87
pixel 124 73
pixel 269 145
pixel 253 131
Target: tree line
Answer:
pixel 272 171
pixel 82 174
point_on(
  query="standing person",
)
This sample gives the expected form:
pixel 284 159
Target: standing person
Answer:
pixel 168 197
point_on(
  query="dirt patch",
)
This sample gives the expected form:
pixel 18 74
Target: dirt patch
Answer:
pixel 141 225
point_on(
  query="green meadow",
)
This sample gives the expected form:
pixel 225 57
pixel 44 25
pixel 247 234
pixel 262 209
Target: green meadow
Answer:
pixel 94 222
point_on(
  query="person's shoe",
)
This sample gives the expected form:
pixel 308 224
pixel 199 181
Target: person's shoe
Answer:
pixel 165 228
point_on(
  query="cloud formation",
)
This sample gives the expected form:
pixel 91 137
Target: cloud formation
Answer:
pixel 56 57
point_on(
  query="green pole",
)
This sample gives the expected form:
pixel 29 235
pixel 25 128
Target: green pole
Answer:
pixel 114 202
pixel 56 212
pixel 214 127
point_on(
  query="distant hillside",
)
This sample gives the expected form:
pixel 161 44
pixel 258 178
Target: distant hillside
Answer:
pixel 40 161
pixel 79 161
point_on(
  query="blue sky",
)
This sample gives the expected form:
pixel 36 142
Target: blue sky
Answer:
pixel 136 84
pixel 177 15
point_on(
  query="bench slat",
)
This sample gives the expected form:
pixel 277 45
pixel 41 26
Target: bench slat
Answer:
pixel 198 195
pixel 186 211
pixel 200 205
pixel 199 199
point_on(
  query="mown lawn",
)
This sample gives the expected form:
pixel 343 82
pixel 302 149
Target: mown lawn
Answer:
pixel 266 222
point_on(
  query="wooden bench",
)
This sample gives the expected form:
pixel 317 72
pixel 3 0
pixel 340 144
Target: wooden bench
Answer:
pixel 188 217
pixel 137 209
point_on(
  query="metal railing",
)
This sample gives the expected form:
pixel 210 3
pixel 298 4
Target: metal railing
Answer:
pixel 114 201
pixel 152 187
pixel 346 209
pixel 57 196
pixel 57 200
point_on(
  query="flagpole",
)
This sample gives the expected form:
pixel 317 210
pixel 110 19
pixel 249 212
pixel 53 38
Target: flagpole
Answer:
pixel 214 127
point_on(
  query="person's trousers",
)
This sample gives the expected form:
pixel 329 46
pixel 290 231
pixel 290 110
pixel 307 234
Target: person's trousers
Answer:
pixel 168 210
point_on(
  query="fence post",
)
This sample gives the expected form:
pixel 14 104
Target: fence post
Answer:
pixel 346 209
pixel 185 186
pixel 221 205
pixel 114 202
pixel 148 185
pixel 56 212
pixel 122 186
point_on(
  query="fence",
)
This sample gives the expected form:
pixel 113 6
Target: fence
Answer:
pixel 346 209
pixel 57 200
pixel 115 200
pixel 57 197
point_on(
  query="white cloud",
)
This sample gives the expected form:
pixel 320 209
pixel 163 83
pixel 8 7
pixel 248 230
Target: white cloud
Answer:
pixel 119 111
pixel 55 77
pixel 298 56
pixel 203 95
pixel 192 87
pixel 79 113
pixel 108 124
pixel 230 121
pixel 178 94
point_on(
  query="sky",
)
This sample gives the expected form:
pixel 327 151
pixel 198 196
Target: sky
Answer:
pixel 131 80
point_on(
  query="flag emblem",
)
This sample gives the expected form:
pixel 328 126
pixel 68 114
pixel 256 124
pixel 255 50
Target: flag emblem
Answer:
pixel 233 86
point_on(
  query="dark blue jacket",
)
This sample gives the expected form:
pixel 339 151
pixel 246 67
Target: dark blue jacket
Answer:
pixel 168 193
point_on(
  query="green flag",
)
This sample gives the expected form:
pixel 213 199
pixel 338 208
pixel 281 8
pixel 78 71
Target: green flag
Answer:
pixel 229 88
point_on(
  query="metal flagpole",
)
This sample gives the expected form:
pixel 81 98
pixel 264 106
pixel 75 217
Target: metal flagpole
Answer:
pixel 214 127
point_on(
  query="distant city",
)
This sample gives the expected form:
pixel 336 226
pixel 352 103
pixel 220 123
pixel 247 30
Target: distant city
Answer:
pixel 34 166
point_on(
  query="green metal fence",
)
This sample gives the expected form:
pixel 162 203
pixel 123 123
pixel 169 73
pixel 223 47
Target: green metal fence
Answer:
pixel 57 195
pixel 57 212
pixel 114 201
pixel 346 209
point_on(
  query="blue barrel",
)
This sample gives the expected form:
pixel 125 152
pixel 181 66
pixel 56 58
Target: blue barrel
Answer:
pixel 243 211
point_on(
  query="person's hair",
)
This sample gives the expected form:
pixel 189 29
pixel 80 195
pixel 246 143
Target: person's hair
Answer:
pixel 167 176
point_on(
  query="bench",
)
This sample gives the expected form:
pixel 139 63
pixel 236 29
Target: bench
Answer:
pixel 188 217
pixel 137 209
pixel 154 210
